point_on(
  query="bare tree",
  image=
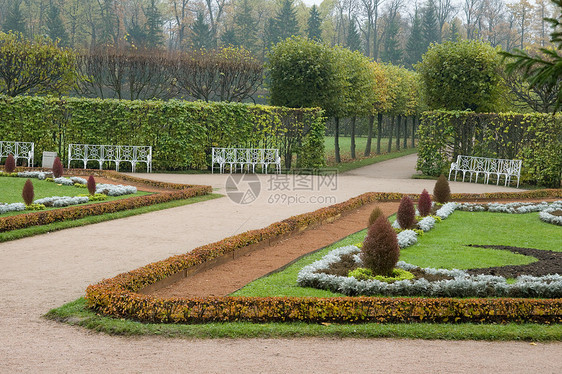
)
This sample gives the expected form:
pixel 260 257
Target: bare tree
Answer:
pixel 493 16
pixel 445 11
pixel 472 10
pixel 228 74
pixel 368 13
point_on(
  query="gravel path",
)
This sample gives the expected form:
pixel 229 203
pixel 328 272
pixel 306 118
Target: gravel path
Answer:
pixel 45 271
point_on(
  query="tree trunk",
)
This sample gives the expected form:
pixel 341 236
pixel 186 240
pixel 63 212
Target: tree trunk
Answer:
pixel 353 119
pixel 369 136
pixel 391 129
pixel 337 139
pixel 379 132
pixel 398 124
pixel 413 131
pixel 405 144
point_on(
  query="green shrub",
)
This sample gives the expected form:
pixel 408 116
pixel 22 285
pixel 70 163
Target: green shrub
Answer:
pixel 380 250
pixel 464 75
pixel 366 274
pixel 441 190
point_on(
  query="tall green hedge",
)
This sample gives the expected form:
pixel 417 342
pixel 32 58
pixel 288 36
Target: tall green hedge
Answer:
pixel 534 138
pixel 181 133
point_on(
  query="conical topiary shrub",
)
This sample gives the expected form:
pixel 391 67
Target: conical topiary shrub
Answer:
pixel 424 203
pixel 406 215
pixel 376 213
pixel 91 185
pixel 442 191
pixel 10 164
pixel 28 194
pixel 57 168
pixel 380 251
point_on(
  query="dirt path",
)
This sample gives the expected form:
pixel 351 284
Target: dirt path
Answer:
pixel 43 272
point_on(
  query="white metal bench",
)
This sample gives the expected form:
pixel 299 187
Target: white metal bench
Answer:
pixel 111 153
pixel 19 150
pixel 476 166
pixel 245 158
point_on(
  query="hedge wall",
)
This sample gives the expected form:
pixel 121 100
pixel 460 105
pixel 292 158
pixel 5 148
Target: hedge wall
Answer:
pixel 180 132
pixel 534 138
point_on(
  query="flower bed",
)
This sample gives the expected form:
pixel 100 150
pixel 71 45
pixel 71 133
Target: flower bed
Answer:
pixel 119 296
pixel 179 192
pixel 462 284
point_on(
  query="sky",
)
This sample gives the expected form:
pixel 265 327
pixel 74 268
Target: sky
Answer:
pixel 312 2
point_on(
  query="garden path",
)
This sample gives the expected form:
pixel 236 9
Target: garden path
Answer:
pixel 45 271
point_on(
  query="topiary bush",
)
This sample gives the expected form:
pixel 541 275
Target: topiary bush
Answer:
pixel 10 164
pixel 442 191
pixel 28 194
pixel 406 215
pixel 91 185
pixel 424 203
pixel 376 213
pixel 380 251
pixel 57 168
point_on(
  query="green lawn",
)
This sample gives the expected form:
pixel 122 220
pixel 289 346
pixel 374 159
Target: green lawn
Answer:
pixel 360 143
pixel 442 247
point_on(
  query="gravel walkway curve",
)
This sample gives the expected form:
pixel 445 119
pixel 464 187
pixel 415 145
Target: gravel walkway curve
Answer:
pixel 45 271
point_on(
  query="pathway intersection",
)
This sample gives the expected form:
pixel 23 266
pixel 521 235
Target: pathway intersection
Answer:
pixel 46 271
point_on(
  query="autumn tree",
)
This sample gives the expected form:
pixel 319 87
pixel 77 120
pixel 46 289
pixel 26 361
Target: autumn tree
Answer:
pixel 35 66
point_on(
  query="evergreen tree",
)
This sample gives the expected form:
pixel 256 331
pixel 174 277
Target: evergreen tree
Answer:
pixel 245 26
pixel 137 33
pixel 201 34
pixel 285 22
pixel 415 47
pixel 270 32
pixel 154 22
pixel 430 26
pixel 110 23
pixel 228 38
pixel 314 23
pixel 353 40
pixel 55 27
pixel 391 45
pixel 454 32
pixel 14 21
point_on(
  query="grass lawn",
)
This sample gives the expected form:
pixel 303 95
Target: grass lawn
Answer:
pixel 442 247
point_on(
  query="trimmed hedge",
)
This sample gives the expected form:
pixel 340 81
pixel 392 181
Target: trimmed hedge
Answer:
pixel 21 221
pixel 535 138
pixel 181 133
pixel 119 297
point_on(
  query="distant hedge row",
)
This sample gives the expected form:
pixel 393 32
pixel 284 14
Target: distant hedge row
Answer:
pixel 534 138
pixel 181 133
